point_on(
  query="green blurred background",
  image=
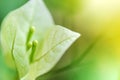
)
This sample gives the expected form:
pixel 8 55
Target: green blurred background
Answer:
pixel 94 56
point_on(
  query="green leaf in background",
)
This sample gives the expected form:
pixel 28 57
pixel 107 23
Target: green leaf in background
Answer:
pixel 8 5
pixel 65 6
pixel 31 42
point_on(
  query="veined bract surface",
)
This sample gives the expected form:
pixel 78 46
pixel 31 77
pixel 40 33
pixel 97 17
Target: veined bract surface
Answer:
pixel 31 42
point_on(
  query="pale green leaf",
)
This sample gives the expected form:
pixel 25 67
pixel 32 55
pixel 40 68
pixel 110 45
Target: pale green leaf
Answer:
pixel 15 28
pixel 56 42
pixel 53 40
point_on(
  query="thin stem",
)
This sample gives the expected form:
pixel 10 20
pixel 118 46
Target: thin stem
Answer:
pixel 29 36
pixel 35 43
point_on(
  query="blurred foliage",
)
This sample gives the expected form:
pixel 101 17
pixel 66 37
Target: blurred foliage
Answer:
pixel 65 6
pixel 8 5
pixel 93 18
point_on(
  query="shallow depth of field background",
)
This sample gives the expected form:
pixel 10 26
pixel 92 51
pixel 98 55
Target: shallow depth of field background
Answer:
pixel 96 54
